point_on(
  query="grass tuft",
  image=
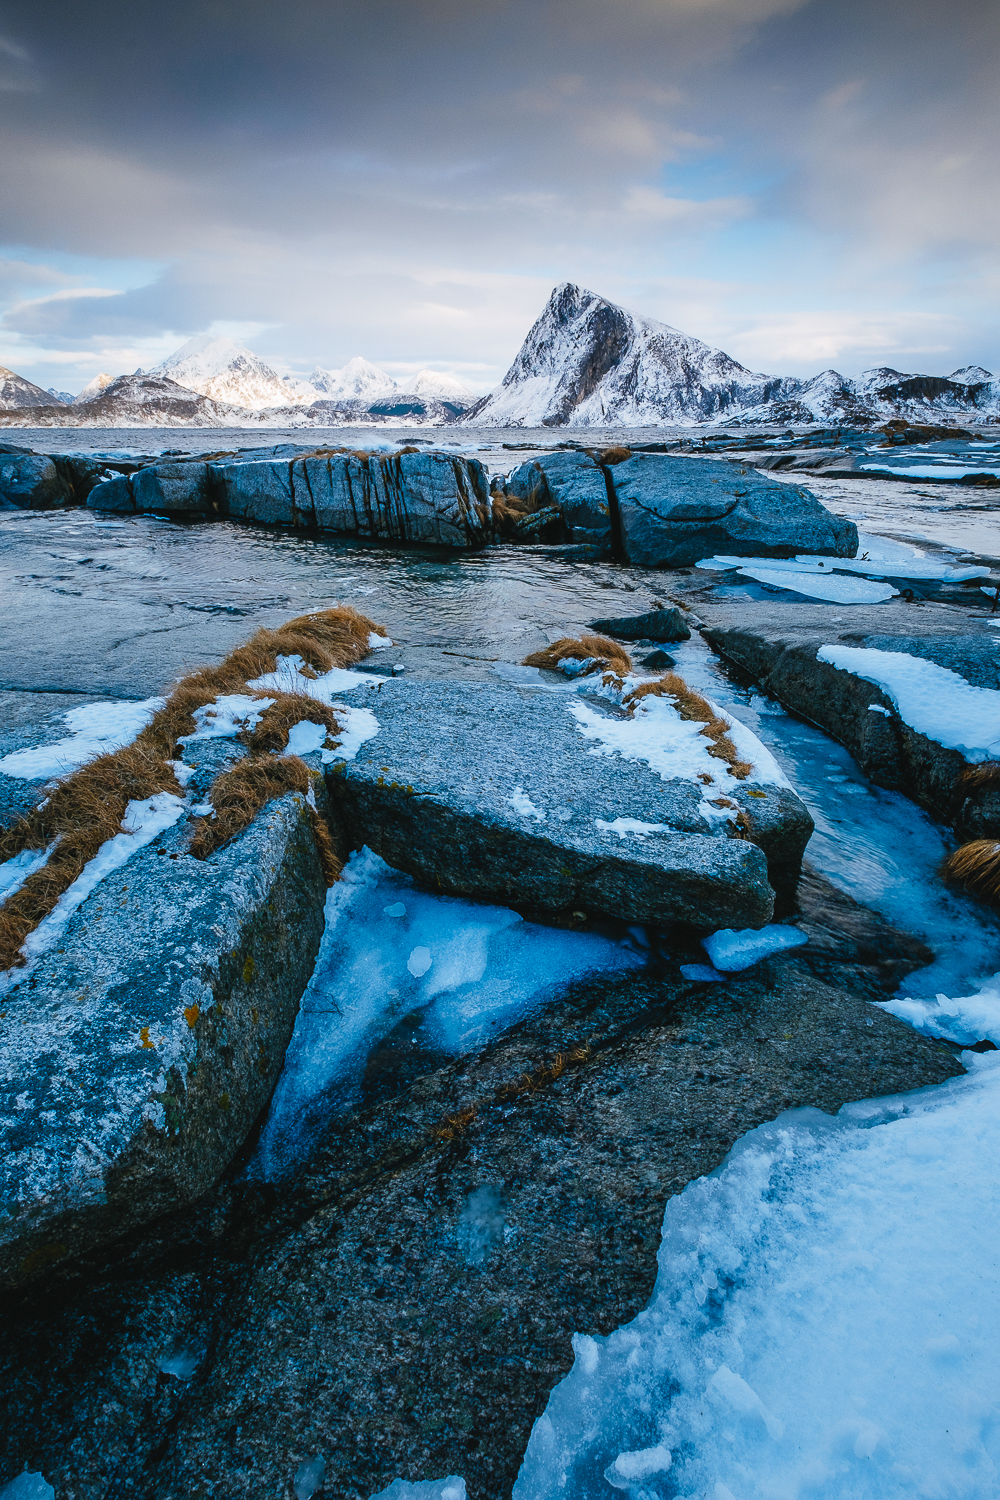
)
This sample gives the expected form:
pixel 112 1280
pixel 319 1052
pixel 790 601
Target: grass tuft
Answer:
pixel 976 866
pixel 985 774
pixel 603 653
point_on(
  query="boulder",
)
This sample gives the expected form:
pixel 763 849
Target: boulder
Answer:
pixel 655 625
pixel 573 482
pixel 428 497
pixel 494 791
pixel 113 495
pixel 174 489
pixel 261 492
pixel 337 485
pixel 30 481
pixel 135 1058
pixel 674 511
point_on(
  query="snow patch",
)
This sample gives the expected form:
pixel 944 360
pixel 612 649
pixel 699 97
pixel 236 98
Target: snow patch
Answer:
pixel 97 729
pixel 933 700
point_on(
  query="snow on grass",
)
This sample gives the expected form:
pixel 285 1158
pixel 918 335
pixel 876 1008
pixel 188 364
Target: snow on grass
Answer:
pixel 454 969
pixel 824 1323
pixel 933 700
pixel 731 951
pixel 226 716
pixel 96 729
pixel 287 678
pixel 143 821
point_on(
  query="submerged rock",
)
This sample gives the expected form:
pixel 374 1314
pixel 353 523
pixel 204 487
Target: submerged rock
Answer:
pixel 136 1056
pixel 512 794
pixel 674 511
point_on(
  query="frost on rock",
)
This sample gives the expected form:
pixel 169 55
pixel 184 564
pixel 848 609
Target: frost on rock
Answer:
pixel 824 1322
pixel 453 969
pixel 97 729
pixel 933 700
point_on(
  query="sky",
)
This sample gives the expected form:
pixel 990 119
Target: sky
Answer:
pixel 804 183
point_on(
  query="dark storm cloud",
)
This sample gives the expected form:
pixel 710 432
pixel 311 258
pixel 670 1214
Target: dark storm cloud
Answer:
pixel 410 178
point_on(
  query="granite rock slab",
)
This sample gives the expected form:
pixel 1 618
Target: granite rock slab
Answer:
pixel 136 1056
pixel 493 792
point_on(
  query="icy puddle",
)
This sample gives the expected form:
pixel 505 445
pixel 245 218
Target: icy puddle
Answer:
pixel 433 976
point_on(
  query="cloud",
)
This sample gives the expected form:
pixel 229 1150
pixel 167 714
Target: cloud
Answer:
pixel 409 181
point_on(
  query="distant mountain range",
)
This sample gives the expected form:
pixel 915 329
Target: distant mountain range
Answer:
pixel 585 363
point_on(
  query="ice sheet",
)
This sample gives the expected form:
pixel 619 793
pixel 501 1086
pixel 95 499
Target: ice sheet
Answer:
pixel 732 951
pixel 837 588
pixel 823 1327
pixel 933 700
pixel 14 872
pixel 96 729
pixel 967 1019
pixel 34 1486
pixel 452 1488
pixel 455 969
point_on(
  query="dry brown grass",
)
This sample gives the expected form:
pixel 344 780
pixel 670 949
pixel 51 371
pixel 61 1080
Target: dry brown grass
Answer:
pixel 976 866
pixel 453 1126
pixel 530 1083
pixel 604 654
pixel 985 774
pixel 614 455
pixel 691 705
pixel 82 813
pixel 85 809
pixel 238 796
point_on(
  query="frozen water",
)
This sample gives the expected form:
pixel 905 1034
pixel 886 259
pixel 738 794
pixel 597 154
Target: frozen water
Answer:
pixel 966 1019
pixel 306 737
pixel 626 826
pixel 836 588
pixel 309 1478
pixel 933 700
pixel 96 729
pixel 824 1324
pixel 391 951
pixel 226 716
pixel 732 951
pixel 36 1487
pixel 14 872
pixel 703 973
pixel 452 1488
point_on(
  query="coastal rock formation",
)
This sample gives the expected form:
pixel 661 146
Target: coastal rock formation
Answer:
pixel 497 792
pixel 414 497
pixel 675 511
pixel 29 481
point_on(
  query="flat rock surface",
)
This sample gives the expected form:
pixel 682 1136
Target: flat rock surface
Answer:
pixel 405 1305
pixel 495 791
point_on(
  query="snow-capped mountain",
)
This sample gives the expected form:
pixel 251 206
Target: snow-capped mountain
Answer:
pixel 16 393
pixel 59 396
pixel 226 371
pixel 134 401
pixel 93 388
pixel 588 363
pixel 434 386
pixel 359 378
